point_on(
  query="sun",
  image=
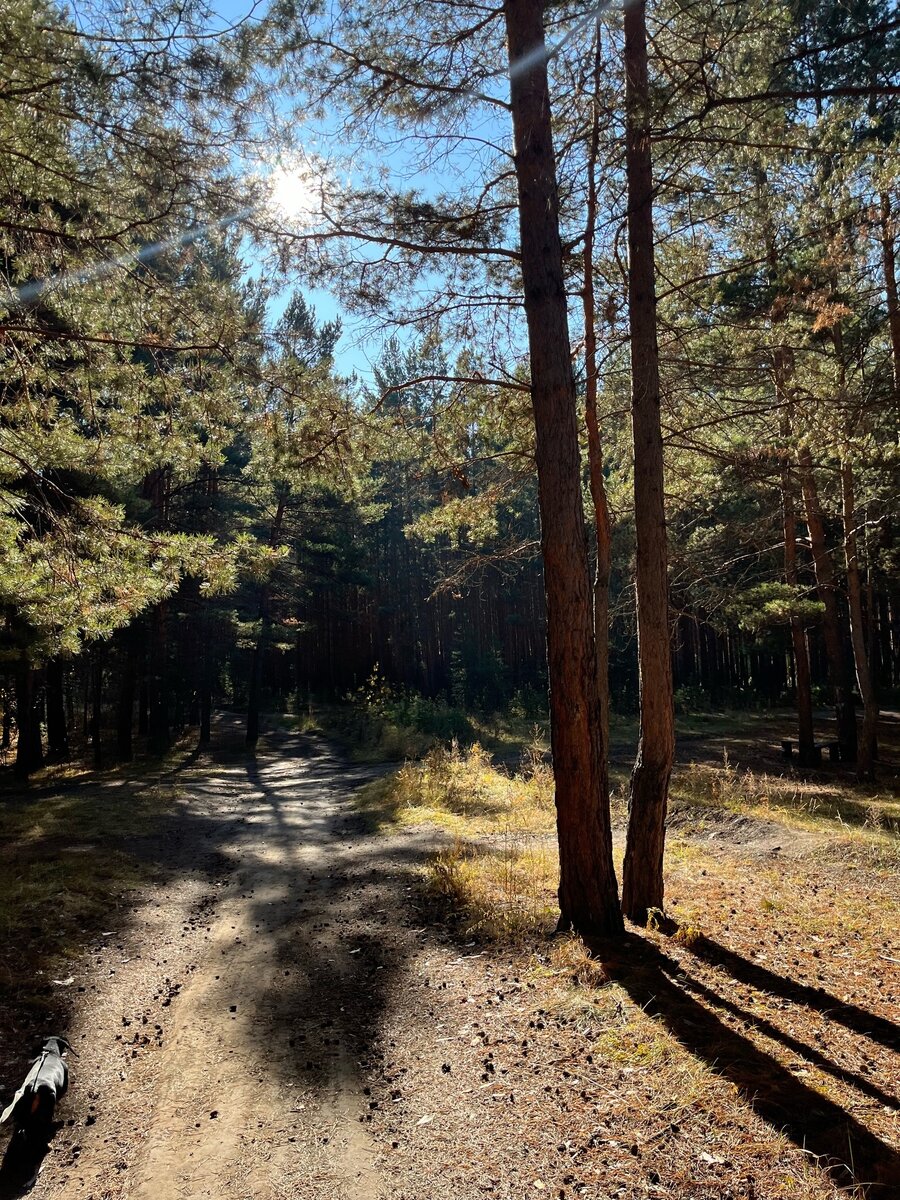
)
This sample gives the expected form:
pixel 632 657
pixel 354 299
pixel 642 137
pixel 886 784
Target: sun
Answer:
pixel 295 192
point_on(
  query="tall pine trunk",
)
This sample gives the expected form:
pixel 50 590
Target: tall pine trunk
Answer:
pixel 599 501
pixel 806 742
pixel 831 618
pixel 588 896
pixel 642 882
pixel 865 763
pixel 889 259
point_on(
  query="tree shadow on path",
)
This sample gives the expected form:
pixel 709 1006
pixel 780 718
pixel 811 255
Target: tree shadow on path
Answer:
pixel 850 1154
pixel 859 1020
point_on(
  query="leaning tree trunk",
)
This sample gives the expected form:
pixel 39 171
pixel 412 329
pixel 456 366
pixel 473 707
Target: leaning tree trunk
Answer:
pixel 865 767
pixel 831 618
pixel 642 882
pixel 588 896
pixel 599 501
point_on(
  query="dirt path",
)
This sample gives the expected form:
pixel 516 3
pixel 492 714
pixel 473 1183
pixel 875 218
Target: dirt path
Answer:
pixel 291 1014
pixel 223 1050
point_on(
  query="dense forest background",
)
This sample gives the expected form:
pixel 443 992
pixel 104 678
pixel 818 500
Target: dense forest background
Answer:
pixel 200 506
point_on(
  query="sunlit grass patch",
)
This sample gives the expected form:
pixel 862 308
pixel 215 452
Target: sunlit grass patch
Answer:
pixel 871 819
pixel 462 791
pixel 497 892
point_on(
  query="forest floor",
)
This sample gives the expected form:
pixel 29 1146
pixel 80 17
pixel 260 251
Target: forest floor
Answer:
pixel 280 985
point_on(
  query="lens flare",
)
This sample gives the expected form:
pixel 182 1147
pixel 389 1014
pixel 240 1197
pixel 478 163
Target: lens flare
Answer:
pixel 29 292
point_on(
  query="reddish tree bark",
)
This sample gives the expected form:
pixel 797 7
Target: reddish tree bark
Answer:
pixel 588 897
pixel 602 532
pixel 642 882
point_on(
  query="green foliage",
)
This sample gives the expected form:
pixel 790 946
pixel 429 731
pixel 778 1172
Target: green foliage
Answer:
pixel 400 723
pixel 773 603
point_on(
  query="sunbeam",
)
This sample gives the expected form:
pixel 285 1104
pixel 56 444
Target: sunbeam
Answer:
pixel 29 292
pixel 544 52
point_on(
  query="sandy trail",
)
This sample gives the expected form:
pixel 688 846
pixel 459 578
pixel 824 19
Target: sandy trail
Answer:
pixel 256 1010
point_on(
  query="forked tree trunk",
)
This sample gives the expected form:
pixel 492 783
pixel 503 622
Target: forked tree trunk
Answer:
pixel 642 882
pixel 588 897
pixel 865 764
pixel 599 501
pixel 831 619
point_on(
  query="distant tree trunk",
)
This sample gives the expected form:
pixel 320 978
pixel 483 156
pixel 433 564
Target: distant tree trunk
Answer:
pixel 256 673
pixel 831 620
pixel 588 896
pixel 205 711
pixel 869 740
pixel 6 735
pixel 97 707
pixel 642 882
pixel 806 737
pixel 265 626
pixel 143 723
pixel 29 751
pixel 125 706
pixel 595 445
pixel 806 742
pixel 158 733
pixel 85 674
pixel 57 730
pixel 890 286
